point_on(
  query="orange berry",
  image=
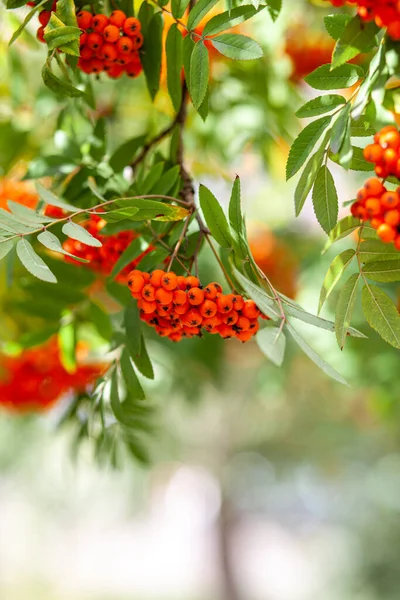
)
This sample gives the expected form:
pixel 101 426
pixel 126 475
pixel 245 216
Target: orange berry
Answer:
pixel 124 45
pixel 192 318
pixel 195 296
pixel 244 336
pixel 94 41
pixel 148 307
pixel 137 41
pixel 390 200
pixel 373 187
pixel 254 326
pixel 211 323
pixel 181 309
pixel 358 211
pixel 362 195
pixel 250 310
pixel 384 130
pixel 169 281
pixel 97 65
pixel 226 331
pixel 389 158
pixel 149 292
pixel 373 207
pixel 231 318
pixel 40 34
pixel 84 19
pixel 397 242
pixel 99 23
pixel 386 233
pixel 111 34
pixel 86 53
pixel 212 290
pixel 238 302
pixel 381 171
pixel 376 221
pixel 208 309
pixel 44 17
pixel 135 281
pixel 164 310
pixel 373 153
pixel 133 69
pixel 242 324
pixel 192 281
pixel 225 303
pixel 179 297
pixel 390 139
pixel 108 52
pixel 181 282
pixel 83 39
pixel 392 217
pixel 117 18
pixel 164 296
pixel 155 277
pixel 115 71
pixel 131 26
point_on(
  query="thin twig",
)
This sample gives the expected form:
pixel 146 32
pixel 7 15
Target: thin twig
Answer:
pixel 179 242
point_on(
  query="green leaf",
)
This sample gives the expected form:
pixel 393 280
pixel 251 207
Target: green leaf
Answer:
pixel 77 232
pixel 132 382
pixel 125 153
pixel 336 24
pixel 303 145
pixel 178 8
pixel 174 51
pixel 101 320
pixel 199 74
pixel 308 176
pixel 272 343
pixel 235 209
pixel 58 86
pixel 199 11
pixel 151 53
pixel 128 255
pixel 320 362
pixel 274 8
pixel 383 271
pixel 237 47
pixel 374 250
pixel 11 224
pixel 188 47
pixel 26 214
pixel 66 12
pixel 52 199
pixel 143 362
pixel 133 329
pixel 228 19
pixel 142 209
pixel 343 77
pixel 215 218
pixel 342 229
pixel 260 297
pixel 376 67
pixel 325 199
pixel 10 4
pixel 335 272
pixel 58 35
pixel 298 312
pixel 27 19
pixel 51 241
pixel 167 181
pixel 5 247
pixel 33 263
pixel 357 37
pixel 339 129
pixel 362 128
pixel 320 105
pixel 67 344
pixel 381 314
pixel 357 163
pixel 344 308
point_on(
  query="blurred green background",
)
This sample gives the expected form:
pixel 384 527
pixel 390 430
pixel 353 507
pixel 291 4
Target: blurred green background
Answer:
pixel 265 483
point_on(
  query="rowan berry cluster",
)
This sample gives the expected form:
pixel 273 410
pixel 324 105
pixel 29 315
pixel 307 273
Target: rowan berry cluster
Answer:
pixel 18 191
pixel 110 44
pixel 307 51
pixel 179 307
pixel 103 259
pixel 381 208
pixel 384 153
pixel 36 379
pixel 385 13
